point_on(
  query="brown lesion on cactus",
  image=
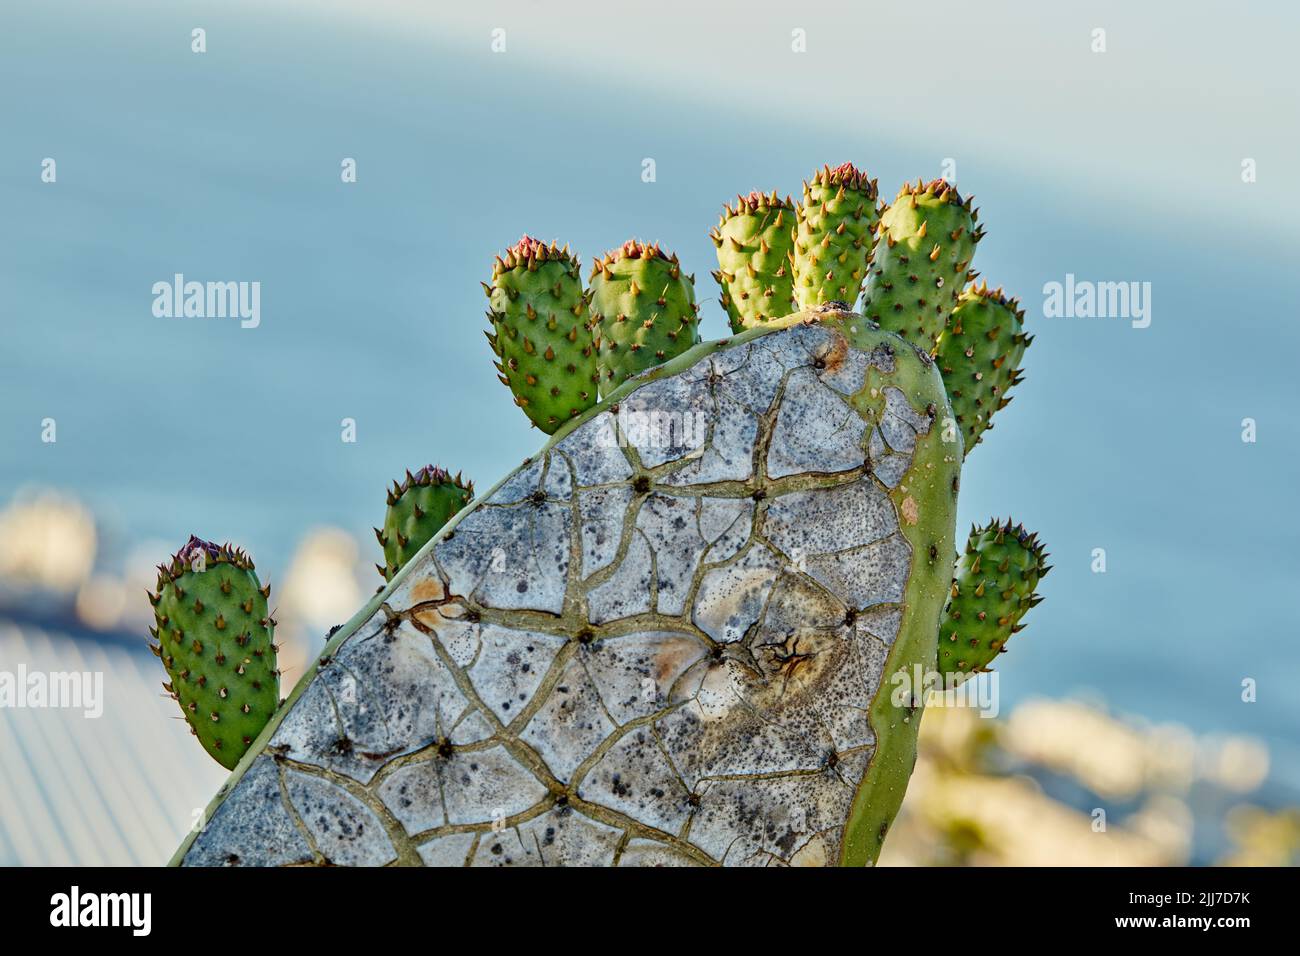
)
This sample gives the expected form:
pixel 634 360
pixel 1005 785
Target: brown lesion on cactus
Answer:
pixel 784 660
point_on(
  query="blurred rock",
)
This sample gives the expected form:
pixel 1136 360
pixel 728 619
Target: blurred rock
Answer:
pixel 320 590
pixel 47 541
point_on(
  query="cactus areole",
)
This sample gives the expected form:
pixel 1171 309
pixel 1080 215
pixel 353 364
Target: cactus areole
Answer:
pixel 643 648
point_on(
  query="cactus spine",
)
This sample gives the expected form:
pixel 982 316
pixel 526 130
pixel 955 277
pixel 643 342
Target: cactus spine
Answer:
pixel 836 227
pixel 924 245
pixel 992 588
pixel 418 507
pixel 755 243
pixel 643 311
pixel 979 355
pixel 544 348
pixel 214 637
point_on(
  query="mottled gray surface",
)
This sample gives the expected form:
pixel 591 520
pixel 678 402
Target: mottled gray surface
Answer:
pixel 654 645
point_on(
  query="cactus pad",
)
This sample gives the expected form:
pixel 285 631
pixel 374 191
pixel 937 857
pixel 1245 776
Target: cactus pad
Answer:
pixel 214 637
pixel 540 335
pixel 418 507
pixel 755 242
pixel 836 226
pixel 643 311
pixel 979 355
pixel 992 589
pixel 924 245
pixel 650 645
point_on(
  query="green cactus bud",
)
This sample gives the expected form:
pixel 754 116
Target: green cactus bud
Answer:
pixel 643 311
pixel 836 228
pixel 924 244
pixel 215 640
pixel 418 507
pixel 992 588
pixel 544 348
pixel 755 242
pixel 979 355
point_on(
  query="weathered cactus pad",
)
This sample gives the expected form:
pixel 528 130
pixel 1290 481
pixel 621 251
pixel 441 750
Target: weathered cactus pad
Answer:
pixel 659 642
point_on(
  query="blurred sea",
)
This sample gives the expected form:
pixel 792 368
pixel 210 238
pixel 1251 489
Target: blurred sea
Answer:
pixel 226 166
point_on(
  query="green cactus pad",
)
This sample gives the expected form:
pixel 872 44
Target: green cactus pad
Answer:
pixel 992 588
pixel 924 244
pixel 755 242
pixel 544 348
pixel 643 311
pixel 215 639
pixel 979 355
pixel 418 507
pixel 836 227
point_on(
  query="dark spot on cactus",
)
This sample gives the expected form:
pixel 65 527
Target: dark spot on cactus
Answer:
pixel 586 636
pixel 444 748
pixel 850 617
pixel 473 616
pixel 759 495
pixel 538 497
pixel 641 485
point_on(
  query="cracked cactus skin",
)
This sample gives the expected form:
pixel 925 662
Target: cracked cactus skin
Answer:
pixel 925 242
pixel 755 243
pixel 979 355
pixel 643 311
pixel 992 589
pixel 836 228
pixel 214 636
pixel 540 334
pixel 418 507
pixel 675 649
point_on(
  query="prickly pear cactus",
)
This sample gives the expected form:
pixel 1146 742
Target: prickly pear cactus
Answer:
pixel 979 356
pixel 540 333
pixel 926 239
pixel 992 589
pixel 214 637
pixel 418 507
pixel 836 226
pixel 643 311
pixel 698 627
pixel 755 242
pixel 668 639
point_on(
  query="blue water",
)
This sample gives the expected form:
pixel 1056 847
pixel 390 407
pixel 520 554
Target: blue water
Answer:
pixel 226 167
